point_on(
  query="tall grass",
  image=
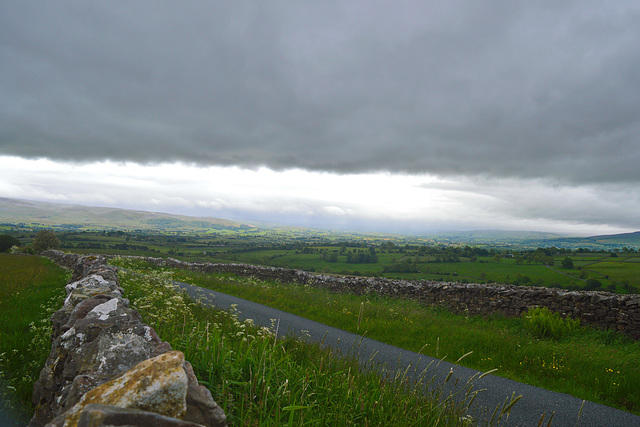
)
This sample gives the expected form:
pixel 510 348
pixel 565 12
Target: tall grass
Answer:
pixel 31 289
pixel 262 379
pixel 542 323
pixel 600 366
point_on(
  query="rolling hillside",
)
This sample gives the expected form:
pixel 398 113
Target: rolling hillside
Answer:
pixel 59 215
pixel 631 240
pixel 79 217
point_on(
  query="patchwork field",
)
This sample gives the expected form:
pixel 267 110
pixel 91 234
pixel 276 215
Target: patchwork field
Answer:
pixel 616 270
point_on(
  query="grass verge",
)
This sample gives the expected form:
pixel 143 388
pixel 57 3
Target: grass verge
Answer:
pixel 600 366
pixel 261 379
pixel 31 289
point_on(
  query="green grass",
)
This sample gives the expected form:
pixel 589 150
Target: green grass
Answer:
pixel 600 366
pixel 612 272
pixel 261 379
pixel 31 289
pixel 304 250
pixel 594 365
pixel 617 270
pixel 503 271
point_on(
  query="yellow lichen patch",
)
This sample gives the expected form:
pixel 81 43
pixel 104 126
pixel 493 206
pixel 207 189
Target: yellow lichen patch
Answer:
pixel 157 385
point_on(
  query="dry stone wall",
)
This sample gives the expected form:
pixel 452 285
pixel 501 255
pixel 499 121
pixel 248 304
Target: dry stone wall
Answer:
pixel 600 309
pixel 106 367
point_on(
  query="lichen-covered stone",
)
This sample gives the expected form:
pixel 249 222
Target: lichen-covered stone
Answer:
pixel 93 342
pixel 96 349
pixel 157 385
pixel 96 339
pixel 97 415
pixel 90 286
pixel 95 280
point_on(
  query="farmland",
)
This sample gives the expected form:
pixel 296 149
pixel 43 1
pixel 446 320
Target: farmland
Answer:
pixel 610 263
pixel 615 270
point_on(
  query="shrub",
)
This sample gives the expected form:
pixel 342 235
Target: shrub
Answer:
pixel 45 239
pixel 542 323
pixel 401 267
pixel 593 284
pixel 567 262
pixel 7 241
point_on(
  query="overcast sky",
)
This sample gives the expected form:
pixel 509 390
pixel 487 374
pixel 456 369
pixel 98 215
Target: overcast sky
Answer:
pixel 405 115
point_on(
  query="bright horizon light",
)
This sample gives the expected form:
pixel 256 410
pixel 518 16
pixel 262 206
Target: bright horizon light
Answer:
pixel 314 199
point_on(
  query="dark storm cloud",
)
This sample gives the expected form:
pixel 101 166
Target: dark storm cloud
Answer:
pixel 495 88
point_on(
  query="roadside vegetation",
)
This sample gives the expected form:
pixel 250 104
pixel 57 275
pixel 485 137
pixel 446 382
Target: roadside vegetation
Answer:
pixel 540 348
pixel 260 378
pixel 31 289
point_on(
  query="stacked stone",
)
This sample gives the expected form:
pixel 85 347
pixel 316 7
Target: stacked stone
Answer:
pixel 600 309
pixel 106 367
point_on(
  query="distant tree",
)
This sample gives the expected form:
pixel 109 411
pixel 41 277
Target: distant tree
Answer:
pixel 522 280
pixel 593 284
pixel 7 242
pixel 627 286
pixel 567 262
pixel 387 245
pixel 45 239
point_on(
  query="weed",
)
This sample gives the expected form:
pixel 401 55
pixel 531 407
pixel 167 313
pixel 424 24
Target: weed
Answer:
pixel 542 323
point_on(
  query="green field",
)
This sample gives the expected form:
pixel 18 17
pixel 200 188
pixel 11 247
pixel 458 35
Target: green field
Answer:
pixel 616 274
pixel 257 376
pixel 600 366
pixel 31 289
pixel 616 271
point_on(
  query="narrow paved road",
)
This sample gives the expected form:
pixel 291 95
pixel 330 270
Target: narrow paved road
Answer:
pixel 527 412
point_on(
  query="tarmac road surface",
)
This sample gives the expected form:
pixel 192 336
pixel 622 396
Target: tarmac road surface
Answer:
pixel 528 411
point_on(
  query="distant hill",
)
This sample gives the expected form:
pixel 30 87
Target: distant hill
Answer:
pixel 496 237
pixel 79 217
pixel 630 240
pixel 534 239
pixel 64 216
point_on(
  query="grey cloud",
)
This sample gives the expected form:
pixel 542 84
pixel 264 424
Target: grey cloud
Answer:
pixel 513 89
pixel 541 200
